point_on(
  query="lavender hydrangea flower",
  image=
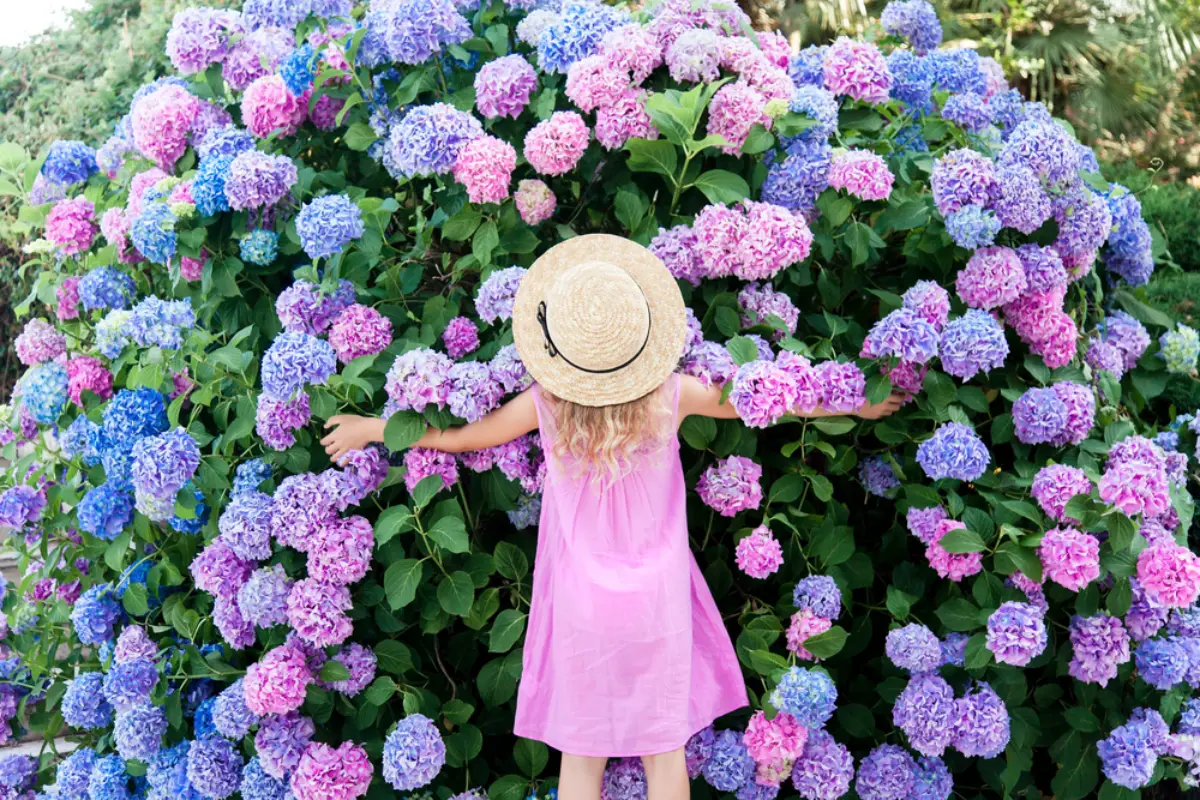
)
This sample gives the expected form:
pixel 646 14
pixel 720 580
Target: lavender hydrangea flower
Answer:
pixel 824 769
pixel 971 344
pixel 954 451
pixel 972 227
pixel 914 648
pixel 1162 663
pixel 807 695
pixel 981 723
pixel 214 767
pixel 427 141
pixel 818 594
pixel 1016 633
pixel 327 224
pixel 731 486
pixel 730 766
pixel 902 334
pixel 1100 644
pixel 914 20
pixel 1126 755
pixel 295 360
pixel 138 731
pixel 885 774
pixel 924 711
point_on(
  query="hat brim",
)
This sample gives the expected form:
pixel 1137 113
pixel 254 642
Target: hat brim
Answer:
pixel 668 328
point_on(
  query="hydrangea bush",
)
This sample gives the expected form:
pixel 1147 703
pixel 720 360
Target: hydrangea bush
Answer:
pixel 328 208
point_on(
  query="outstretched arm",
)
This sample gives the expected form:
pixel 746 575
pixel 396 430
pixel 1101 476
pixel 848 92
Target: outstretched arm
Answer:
pixel 516 417
pixel 705 401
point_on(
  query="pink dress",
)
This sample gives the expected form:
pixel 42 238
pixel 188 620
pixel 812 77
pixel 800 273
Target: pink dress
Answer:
pixel 626 653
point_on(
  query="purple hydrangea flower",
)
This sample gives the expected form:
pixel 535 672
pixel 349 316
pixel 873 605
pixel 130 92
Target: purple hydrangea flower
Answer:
pixel 971 344
pixel 924 711
pixel 954 451
pixel 413 754
pixel 885 774
pixel 1016 633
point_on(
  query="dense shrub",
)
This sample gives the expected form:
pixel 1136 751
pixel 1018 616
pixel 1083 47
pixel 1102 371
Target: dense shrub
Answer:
pixel 330 211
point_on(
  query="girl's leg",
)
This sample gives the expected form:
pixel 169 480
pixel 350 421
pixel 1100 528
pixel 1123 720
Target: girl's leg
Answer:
pixel 666 776
pixel 580 777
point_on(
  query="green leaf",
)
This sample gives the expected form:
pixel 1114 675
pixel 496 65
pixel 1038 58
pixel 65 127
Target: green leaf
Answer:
pixel 455 593
pixel 940 389
pixel 835 209
pixel 653 156
pixel 426 489
pixel 822 487
pixel 722 186
pixel 509 787
pixel 1121 531
pixel 1081 719
pixel 857 720
pixel 393 657
pixel 403 429
pixel 629 207
pixel 380 691
pixel 1076 778
pixel 962 540
pixel 827 644
pixel 333 670
pixel 899 603
pixel 401 580
pixel 495 683
pixel 834 426
pixel 506 630
pixel 392 521
pixel 699 432
pixel 959 614
pixel 786 489
pixel 114 554
pixel 1011 557
pixel 450 534
pixel 486 238
pixel 511 561
pixel 977 654
pixel 460 227
pixel 858 239
pixel 1120 597
pixel 360 137
pixel 742 350
pixel 1143 312
pixel 135 601
pixel 759 140
pixel 531 756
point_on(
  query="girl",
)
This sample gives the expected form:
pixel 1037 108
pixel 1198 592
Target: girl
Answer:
pixel 626 653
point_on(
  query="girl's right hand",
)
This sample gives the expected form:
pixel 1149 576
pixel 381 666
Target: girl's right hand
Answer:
pixel 885 409
pixel 350 432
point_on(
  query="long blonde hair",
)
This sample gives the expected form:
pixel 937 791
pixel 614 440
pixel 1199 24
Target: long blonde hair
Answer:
pixel 604 440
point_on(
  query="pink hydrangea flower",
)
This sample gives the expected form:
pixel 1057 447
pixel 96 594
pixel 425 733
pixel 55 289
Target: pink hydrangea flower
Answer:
pixel 623 119
pixel 192 269
pixel 594 82
pixel 759 554
pixel 731 485
pixel 774 744
pixel 460 337
pixel 954 566
pixel 632 48
pixel 1055 485
pixel 843 386
pixel 328 773
pixel 763 392
pixel 114 227
pixel 39 341
pixel 420 463
pixel 1033 315
pixel 1169 574
pixel 1061 344
pixel 71 224
pixel 67 295
pixel 994 276
pixel 1136 487
pixel 857 69
pixel 554 146
pixel 861 173
pixel 161 122
pixel 325 111
pixel 810 391
pixel 317 611
pixel 268 107
pixel 805 624
pixel 218 571
pixel 732 113
pixel 1070 558
pixel 85 373
pixel 503 87
pixel 359 331
pixel 485 166
pixel 277 682
pixel 342 551
pixel 534 200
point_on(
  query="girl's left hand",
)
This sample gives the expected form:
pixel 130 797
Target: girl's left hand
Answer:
pixel 350 432
pixel 885 409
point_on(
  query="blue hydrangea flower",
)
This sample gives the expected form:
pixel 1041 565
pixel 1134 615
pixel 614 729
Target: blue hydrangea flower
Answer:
pixel 227 140
pixel 1162 663
pixel 415 30
pixel 820 595
pixel 44 391
pixel 166 773
pixel 258 785
pixel 232 718
pixel 285 14
pixel 109 780
pixel 160 323
pixel 214 767
pixel 200 515
pixel 796 181
pixel 133 414
pixel 958 71
pixel 295 360
pixel 69 162
pixel 914 20
pixel 730 766
pixel 74 773
pixel 807 695
pixel 153 233
pixel 413 754
pixel 954 451
pixel 971 344
pixel 130 683
pixel 914 648
pixel 427 140
pixel 81 439
pixel 819 105
pixel 912 80
pixel 969 111
pixel 260 247
pixel 299 69
pixel 134 574
pixel 1127 757
pixel 577 35
pixel 327 224
pixel 138 732
pixel 84 704
pixel 105 511
pixel 95 613
pixel 877 476
pixel 902 334
pixel 1128 250
pixel 807 68
pixel 972 227
pixel 208 185
pixel 886 774
pixel 250 475
pixel 1039 415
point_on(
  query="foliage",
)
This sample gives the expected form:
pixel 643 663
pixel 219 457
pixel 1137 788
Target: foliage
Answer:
pixel 442 599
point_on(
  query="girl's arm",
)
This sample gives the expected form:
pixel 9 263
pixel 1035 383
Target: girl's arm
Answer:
pixel 515 418
pixel 705 401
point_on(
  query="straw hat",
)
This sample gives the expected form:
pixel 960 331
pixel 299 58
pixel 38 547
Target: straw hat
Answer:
pixel 598 320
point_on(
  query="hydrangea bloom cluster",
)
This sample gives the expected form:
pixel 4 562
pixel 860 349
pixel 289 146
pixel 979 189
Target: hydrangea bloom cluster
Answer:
pixel 731 486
